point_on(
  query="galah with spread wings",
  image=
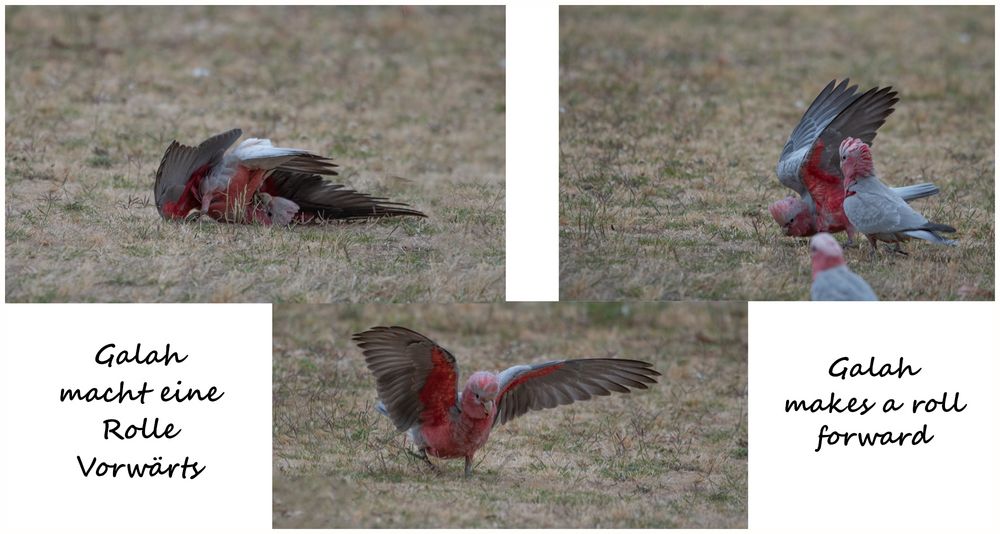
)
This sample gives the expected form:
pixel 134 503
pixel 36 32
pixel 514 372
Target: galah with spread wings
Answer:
pixel 258 183
pixel 809 163
pixel 874 209
pixel 417 384
pixel 832 280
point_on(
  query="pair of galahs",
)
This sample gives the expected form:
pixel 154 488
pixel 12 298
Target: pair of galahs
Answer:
pixel 417 384
pixel 827 161
pixel 258 183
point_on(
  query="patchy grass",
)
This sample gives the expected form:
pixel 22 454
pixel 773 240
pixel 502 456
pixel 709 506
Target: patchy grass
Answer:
pixel 672 120
pixel 409 101
pixel 674 455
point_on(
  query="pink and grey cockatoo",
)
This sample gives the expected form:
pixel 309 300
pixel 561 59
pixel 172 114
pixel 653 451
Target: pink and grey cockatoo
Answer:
pixel 875 209
pixel 258 183
pixel 417 384
pixel 832 280
pixel 809 163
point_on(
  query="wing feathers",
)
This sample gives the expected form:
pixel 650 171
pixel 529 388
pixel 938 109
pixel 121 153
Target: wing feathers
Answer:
pixel 180 161
pixel 547 385
pixel 415 378
pixel 332 201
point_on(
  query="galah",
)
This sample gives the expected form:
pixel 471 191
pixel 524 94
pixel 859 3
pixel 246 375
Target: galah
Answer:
pixel 875 209
pixel 798 219
pixel 809 163
pixel 832 280
pixel 258 183
pixel 417 384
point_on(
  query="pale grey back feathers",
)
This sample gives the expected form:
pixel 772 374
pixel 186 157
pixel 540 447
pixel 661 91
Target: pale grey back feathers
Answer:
pixel 876 209
pixel 840 283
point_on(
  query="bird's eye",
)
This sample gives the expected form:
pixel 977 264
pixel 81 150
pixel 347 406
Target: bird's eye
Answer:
pixel 477 396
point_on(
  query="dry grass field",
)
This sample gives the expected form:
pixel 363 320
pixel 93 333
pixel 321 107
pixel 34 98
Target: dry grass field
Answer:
pixel 672 120
pixel 409 101
pixel 674 455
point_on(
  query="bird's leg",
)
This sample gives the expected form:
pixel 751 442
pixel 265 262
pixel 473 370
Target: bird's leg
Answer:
pixel 423 456
pixel 850 237
pixel 898 249
pixel 468 466
pixel 874 243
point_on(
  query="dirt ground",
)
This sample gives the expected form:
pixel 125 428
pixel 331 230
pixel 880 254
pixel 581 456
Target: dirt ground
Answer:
pixel 672 120
pixel 409 101
pixel 674 455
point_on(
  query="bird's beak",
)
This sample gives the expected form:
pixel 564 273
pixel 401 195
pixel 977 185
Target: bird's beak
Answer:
pixel 488 406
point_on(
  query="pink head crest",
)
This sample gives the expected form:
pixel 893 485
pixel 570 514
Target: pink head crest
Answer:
pixel 824 243
pixel 826 252
pixel 855 159
pixel 484 382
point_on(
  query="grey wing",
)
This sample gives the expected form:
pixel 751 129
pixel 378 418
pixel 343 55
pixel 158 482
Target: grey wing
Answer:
pixel 551 384
pixel 415 378
pixel 261 154
pixel 881 210
pixel 860 120
pixel 333 201
pixel 832 100
pixel 180 161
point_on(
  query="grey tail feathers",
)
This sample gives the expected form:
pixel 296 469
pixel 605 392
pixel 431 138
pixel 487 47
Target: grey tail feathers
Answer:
pixel 932 235
pixel 938 227
pixel 917 191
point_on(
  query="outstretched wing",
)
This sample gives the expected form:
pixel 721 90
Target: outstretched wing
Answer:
pixel 832 100
pixel 328 200
pixel 261 154
pixel 861 120
pixel 416 379
pixel 551 384
pixel 180 162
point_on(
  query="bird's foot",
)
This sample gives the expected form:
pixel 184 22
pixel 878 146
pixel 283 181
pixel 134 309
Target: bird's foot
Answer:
pixel 422 455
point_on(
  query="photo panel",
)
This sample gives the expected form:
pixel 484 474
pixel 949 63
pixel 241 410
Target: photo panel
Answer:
pixel 375 405
pixel 701 152
pixel 255 153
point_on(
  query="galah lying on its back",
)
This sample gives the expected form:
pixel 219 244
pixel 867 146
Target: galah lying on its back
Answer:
pixel 258 183
pixel 417 384
pixel 832 280
pixel 809 163
pixel 874 209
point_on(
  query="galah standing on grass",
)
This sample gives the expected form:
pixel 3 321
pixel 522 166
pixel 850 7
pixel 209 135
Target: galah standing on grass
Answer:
pixel 809 163
pixel 832 280
pixel 258 183
pixel 874 209
pixel 417 384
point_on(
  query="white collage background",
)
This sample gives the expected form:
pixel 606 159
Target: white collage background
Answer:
pixel 950 485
